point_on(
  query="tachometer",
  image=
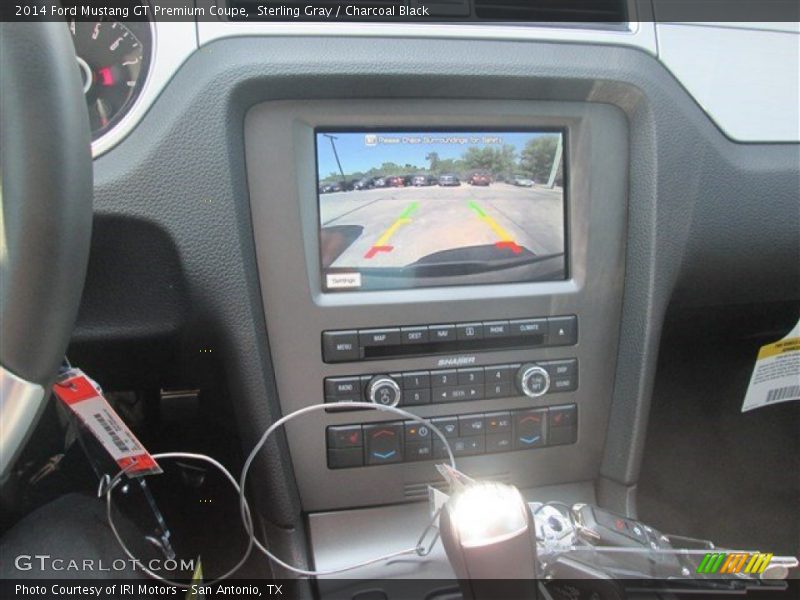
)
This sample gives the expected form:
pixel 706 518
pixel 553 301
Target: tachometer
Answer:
pixel 113 60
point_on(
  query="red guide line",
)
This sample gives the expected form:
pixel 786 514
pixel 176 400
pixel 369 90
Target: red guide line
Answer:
pixel 510 245
pixel 375 249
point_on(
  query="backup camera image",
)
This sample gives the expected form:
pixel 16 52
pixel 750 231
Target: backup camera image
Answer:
pixel 420 209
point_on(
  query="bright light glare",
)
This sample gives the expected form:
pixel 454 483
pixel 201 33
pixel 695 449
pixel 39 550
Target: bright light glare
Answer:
pixel 485 513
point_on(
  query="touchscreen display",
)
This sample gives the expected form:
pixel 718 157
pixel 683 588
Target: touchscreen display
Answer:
pixel 411 209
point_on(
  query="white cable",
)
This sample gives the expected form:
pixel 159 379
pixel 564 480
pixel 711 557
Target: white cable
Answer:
pixel 112 483
pixel 314 408
pixel 107 485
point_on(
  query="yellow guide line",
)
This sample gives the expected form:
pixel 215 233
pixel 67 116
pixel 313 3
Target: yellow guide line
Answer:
pixel 391 231
pixel 502 233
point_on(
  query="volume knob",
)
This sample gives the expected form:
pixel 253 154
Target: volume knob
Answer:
pixel 384 390
pixel 533 380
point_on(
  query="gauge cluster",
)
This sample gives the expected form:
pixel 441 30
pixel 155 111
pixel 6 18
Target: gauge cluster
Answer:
pixel 114 62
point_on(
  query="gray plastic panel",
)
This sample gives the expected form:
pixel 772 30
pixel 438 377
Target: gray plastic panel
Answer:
pixel 344 538
pixel 282 176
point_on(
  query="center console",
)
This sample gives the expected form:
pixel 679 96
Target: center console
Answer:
pixel 462 260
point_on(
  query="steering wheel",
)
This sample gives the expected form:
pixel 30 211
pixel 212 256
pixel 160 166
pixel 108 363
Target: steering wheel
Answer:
pixel 46 196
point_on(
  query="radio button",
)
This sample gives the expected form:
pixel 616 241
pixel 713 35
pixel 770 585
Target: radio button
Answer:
pixel 340 346
pixel 561 368
pixel 414 335
pixel 379 337
pixel 563 331
pixel 469 331
pixel 416 397
pixel 564 384
pixel 444 378
pixel 494 329
pixel 343 387
pixel 498 374
pixel 460 393
pixel 498 390
pixel 470 376
pixel 416 380
pixel 442 333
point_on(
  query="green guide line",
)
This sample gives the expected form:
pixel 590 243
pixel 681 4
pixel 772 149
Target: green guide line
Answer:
pixel 409 210
pixel 474 206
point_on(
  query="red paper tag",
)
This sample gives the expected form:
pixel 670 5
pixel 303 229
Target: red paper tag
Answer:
pixel 83 397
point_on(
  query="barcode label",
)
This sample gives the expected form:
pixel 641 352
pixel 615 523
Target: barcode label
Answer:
pixel 776 376
pixel 85 399
pixel 784 393
pixel 121 446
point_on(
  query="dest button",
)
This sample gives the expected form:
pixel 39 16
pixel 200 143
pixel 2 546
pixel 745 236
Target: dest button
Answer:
pixel 384 443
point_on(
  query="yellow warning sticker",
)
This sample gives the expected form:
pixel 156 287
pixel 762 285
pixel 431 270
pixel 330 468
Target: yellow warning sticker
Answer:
pixel 776 376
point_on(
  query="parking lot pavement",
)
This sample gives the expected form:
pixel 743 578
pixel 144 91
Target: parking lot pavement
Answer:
pixel 402 225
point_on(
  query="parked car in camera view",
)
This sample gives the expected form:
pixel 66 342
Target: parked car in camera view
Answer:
pixel 423 180
pixel 523 181
pixel 396 181
pixel 365 183
pixel 449 180
pixel 479 179
pixel 330 187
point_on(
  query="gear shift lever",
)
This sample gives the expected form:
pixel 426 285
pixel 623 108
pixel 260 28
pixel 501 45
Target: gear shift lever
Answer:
pixel 488 534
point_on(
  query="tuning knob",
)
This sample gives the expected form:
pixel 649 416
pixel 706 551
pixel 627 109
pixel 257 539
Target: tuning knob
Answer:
pixel 533 380
pixel 384 390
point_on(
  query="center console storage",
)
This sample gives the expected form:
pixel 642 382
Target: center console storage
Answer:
pixel 408 257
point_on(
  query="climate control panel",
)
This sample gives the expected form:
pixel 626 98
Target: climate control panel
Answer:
pixel 392 442
pixel 415 388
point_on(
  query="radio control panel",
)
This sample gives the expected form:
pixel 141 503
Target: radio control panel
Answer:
pixel 417 388
pixel 419 340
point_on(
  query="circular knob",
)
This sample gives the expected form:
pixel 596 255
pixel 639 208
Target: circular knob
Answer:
pixel 533 380
pixel 382 389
